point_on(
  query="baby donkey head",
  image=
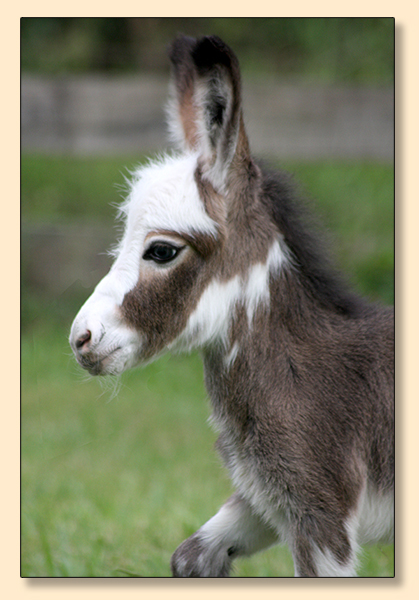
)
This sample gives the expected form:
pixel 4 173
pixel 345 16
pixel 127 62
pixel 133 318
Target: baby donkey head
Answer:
pixel 197 244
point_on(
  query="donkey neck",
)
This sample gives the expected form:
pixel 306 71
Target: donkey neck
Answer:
pixel 265 355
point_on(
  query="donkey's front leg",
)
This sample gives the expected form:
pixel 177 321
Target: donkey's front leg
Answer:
pixel 234 531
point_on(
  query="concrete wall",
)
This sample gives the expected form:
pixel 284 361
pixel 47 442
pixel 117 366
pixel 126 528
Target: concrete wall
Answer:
pixel 123 114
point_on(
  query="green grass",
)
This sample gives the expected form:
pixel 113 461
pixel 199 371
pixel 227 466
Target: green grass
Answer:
pixel 115 474
pixel 111 484
pixel 69 187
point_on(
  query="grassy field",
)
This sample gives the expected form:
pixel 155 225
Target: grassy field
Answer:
pixel 116 473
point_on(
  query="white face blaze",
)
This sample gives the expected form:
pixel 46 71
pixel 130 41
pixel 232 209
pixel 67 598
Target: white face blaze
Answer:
pixel 163 196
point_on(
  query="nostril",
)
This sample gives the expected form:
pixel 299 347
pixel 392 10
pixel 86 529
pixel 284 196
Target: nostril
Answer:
pixel 83 339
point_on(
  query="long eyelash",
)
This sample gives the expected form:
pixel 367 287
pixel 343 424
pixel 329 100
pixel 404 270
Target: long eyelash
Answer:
pixel 163 243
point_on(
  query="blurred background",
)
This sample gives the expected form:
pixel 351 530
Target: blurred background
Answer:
pixel 115 475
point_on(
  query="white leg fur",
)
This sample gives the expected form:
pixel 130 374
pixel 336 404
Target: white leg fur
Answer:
pixel 234 531
pixel 236 525
pixel 376 517
pixel 327 565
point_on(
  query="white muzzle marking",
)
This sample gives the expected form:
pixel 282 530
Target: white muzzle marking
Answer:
pixel 101 341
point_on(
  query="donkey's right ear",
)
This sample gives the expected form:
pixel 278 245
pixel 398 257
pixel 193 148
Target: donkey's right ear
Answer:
pixel 205 108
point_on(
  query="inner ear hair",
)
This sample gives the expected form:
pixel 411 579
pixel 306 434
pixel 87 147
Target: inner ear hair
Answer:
pixel 214 96
pixel 218 69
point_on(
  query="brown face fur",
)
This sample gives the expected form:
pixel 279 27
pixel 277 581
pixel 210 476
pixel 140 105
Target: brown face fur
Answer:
pixel 159 305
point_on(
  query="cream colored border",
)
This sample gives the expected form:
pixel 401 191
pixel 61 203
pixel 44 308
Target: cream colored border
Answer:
pixel 405 583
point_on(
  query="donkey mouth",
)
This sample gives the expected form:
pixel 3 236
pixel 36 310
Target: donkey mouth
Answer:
pixel 96 365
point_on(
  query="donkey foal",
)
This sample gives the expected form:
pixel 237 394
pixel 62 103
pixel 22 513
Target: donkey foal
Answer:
pixel 216 255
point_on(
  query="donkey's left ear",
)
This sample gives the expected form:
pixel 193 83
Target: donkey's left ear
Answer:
pixel 205 112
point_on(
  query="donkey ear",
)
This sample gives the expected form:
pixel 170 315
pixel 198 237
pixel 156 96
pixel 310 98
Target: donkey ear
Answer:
pixel 205 110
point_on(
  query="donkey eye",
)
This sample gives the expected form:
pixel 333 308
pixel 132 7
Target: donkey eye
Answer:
pixel 161 252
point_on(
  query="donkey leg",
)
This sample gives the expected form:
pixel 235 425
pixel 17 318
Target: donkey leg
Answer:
pixel 324 550
pixel 234 531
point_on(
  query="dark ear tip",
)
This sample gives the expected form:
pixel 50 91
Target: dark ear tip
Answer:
pixel 205 52
pixel 211 50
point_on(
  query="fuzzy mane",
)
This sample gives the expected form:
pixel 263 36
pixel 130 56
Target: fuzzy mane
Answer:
pixel 305 239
